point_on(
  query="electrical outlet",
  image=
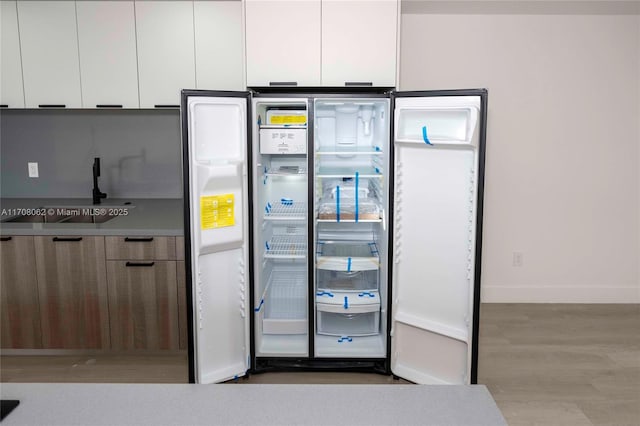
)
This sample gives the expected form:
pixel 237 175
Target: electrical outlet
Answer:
pixel 33 170
pixel 517 258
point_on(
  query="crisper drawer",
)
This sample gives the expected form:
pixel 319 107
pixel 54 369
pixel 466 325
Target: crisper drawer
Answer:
pixel 347 281
pixel 348 324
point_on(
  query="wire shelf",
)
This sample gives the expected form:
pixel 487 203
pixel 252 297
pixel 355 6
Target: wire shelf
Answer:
pixel 286 247
pixel 286 210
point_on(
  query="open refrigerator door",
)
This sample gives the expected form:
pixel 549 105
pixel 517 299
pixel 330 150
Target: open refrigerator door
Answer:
pixel 437 145
pixel 217 212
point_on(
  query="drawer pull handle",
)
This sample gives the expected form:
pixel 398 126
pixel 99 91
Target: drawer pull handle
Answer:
pixel 138 240
pixel 283 83
pixel 4 106
pixel 5 238
pixel 52 106
pixel 129 264
pixel 166 106
pixel 358 83
pixel 58 239
pixel 108 106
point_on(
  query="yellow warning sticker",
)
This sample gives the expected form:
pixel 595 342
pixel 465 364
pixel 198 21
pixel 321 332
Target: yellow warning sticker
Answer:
pixel 288 119
pixel 216 211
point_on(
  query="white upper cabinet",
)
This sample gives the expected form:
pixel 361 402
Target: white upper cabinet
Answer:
pixel 166 51
pixel 283 42
pixel 359 41
pixel 11 88
pixel 219 45
pixel 49 43
pixel 107 44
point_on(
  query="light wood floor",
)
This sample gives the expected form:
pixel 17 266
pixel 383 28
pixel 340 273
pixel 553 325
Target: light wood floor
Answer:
pixel 544 365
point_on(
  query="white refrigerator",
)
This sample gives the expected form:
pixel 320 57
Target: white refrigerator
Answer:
pixel 333 230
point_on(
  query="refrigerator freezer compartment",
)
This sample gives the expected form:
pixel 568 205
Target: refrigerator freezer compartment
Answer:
pixel 286 247
pixel 365 209
pixel 285 210
pixel 285 302
pixel 347 256
pixel 346 325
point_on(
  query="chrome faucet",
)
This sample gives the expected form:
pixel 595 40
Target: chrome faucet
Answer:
pixel 97 194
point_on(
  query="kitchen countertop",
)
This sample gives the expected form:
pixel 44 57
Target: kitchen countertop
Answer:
pixel 249 404
pixel 162 216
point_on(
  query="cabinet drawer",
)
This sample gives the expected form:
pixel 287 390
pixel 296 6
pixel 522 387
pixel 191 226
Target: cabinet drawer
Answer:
pixel 143 305
pixel 140 248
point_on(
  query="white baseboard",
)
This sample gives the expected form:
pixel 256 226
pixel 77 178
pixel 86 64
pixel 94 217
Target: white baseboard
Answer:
pixel 559 294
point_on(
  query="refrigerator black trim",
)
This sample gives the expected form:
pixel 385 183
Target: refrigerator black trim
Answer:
pixel 316 92
pixel 311 235
pixel 483 94
pixel 365 365
pixel 186 196
pixel 391 189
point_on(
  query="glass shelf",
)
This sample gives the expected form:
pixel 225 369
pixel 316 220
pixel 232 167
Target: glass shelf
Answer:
pixel 358 150
pixel 341 172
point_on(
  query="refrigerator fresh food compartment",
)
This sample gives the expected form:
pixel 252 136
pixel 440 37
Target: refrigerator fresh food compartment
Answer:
pixel 358 281
pixel 436 125
pixel 346 325
pixel 285 300
pixel 366 209
pixel 283 140
pixel 348 172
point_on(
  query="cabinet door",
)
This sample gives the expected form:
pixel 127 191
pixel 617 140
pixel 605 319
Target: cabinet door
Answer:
pixel 219 45
pixel 359 42
pixel 11 87
pixel 50 63
pixel 19 294
pixel 107 44
pixel 143 304
pixel 72 286
pixel 283 42
pixel 166 57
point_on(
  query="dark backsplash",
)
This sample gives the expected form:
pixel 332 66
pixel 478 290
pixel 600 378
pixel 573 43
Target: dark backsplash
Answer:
pixel 140 153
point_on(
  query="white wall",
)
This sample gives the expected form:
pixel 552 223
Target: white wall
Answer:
pixel 563 150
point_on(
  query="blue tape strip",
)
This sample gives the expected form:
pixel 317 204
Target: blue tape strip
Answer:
pixel 366 293
pixel 424 135
pixel 338 203
pixel 378 148
pixel 346 302
pixel 286 201
pixel 259 306
pixel 345 339
pixel 266 243
pixel 348 264
pixel 357 178
pixel 324 293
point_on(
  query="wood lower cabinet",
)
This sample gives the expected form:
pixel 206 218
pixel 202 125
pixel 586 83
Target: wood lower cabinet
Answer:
pixel 72 289
pixel 20 312
pixel 143 305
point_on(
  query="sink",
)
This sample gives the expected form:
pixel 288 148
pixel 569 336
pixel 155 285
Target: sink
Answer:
pixel 74 214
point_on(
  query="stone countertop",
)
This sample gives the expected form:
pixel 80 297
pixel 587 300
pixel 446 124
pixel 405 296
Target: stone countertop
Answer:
pixel 249 404
pixel 162 216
